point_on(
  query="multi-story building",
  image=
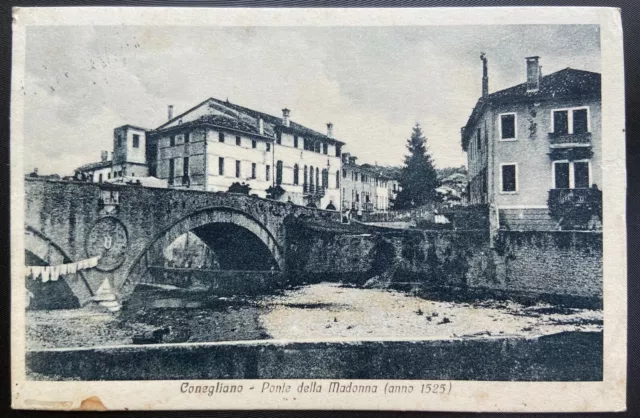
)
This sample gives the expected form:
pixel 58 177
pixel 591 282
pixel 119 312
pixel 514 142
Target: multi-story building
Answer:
pixel 533 142
pixel 366 187
pixel 217 143
pixel 130 155
pixel 96 172
pixel 130 152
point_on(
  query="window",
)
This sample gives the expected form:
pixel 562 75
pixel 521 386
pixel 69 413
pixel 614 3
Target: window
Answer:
pixel 561 175
pixel 295 141
pixel 571 175
pixel 172 140
pixel 581 174
pixel 108 175
pixel 185 167
pixel 172 170
pixel 221 137
pixel 296 174
pixel 580 121
pixel 119 140
pixel 268 146
pixel 268 173
pixel 187 137
pixel 509 178
pixel 253 170
pixel 254 144
pixel 561 122
pixel 344 173
pixel 100 178
pixel 337 150
pixel 355 176
pixel 136 141
pixel 508 126
pixel 133 174
pixel 279 138
pixel 279 172
pixel 311 176
pixel 338 179
pixel 478 140
pixel 570 121
pixel 238 141
pixel 221 166
pixel 317 176
pixel 305 177
pixel 325 178
pixel 237 168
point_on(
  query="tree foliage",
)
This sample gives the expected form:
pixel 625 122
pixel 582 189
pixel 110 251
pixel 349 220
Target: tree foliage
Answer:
pixel 418 177
pixel 275 192
pixel 236 187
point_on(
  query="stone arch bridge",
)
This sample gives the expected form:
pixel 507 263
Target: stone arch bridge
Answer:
pixel 127 226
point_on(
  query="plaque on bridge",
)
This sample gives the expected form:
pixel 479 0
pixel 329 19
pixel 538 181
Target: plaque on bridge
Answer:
pixel 108 240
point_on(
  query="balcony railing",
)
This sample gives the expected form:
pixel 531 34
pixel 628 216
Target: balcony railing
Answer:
pixel 569 140
pixel 312 189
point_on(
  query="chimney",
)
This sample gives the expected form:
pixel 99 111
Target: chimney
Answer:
pixel 330 130
pixel 104 156
pixel 170 112
pixel 285 117
pixel 533 73
pixel 485 75
pixel 261 126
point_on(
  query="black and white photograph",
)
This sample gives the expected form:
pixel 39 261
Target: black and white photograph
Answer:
pixel 295 208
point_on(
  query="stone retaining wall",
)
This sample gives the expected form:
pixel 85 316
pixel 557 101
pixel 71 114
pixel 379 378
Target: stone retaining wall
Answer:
pixel 558 357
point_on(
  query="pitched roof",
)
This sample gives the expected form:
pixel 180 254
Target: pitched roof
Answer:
pixel 563 84
pixel 391 173
pixel 221 121
pixel 94 166
pixel 231 121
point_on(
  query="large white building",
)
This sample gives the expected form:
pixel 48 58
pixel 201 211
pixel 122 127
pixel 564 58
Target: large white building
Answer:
pixel 217 143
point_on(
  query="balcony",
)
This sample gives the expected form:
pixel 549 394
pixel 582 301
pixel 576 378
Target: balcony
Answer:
pixel 569 140
pixel 313 190
pixel 575 208
pixel 570 146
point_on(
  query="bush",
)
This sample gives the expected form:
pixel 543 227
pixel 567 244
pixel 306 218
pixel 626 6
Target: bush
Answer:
pixel 239 188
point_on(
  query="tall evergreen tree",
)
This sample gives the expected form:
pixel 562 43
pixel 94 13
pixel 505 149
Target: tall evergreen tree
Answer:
pixel 418 178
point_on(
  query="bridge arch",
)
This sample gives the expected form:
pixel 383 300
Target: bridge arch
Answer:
pixel 222 216
pixel 41 250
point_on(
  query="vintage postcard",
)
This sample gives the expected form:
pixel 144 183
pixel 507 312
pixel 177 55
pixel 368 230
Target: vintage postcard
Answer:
pixel 397 209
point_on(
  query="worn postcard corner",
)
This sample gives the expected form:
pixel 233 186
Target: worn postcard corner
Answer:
pixel 398 209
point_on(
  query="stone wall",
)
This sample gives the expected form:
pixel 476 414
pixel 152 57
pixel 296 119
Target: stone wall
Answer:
pixel 562 266
pixel 440 258
pixel 577 356
pixel 555 262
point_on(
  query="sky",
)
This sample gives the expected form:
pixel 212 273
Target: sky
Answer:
pixel 372 83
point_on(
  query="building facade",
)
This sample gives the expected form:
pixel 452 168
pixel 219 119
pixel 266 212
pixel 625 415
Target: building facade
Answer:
pixel 366 188
pixel 527 141
pixel 96 172
pixel 217 143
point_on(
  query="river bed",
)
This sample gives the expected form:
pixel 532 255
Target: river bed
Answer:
pixel 325 311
